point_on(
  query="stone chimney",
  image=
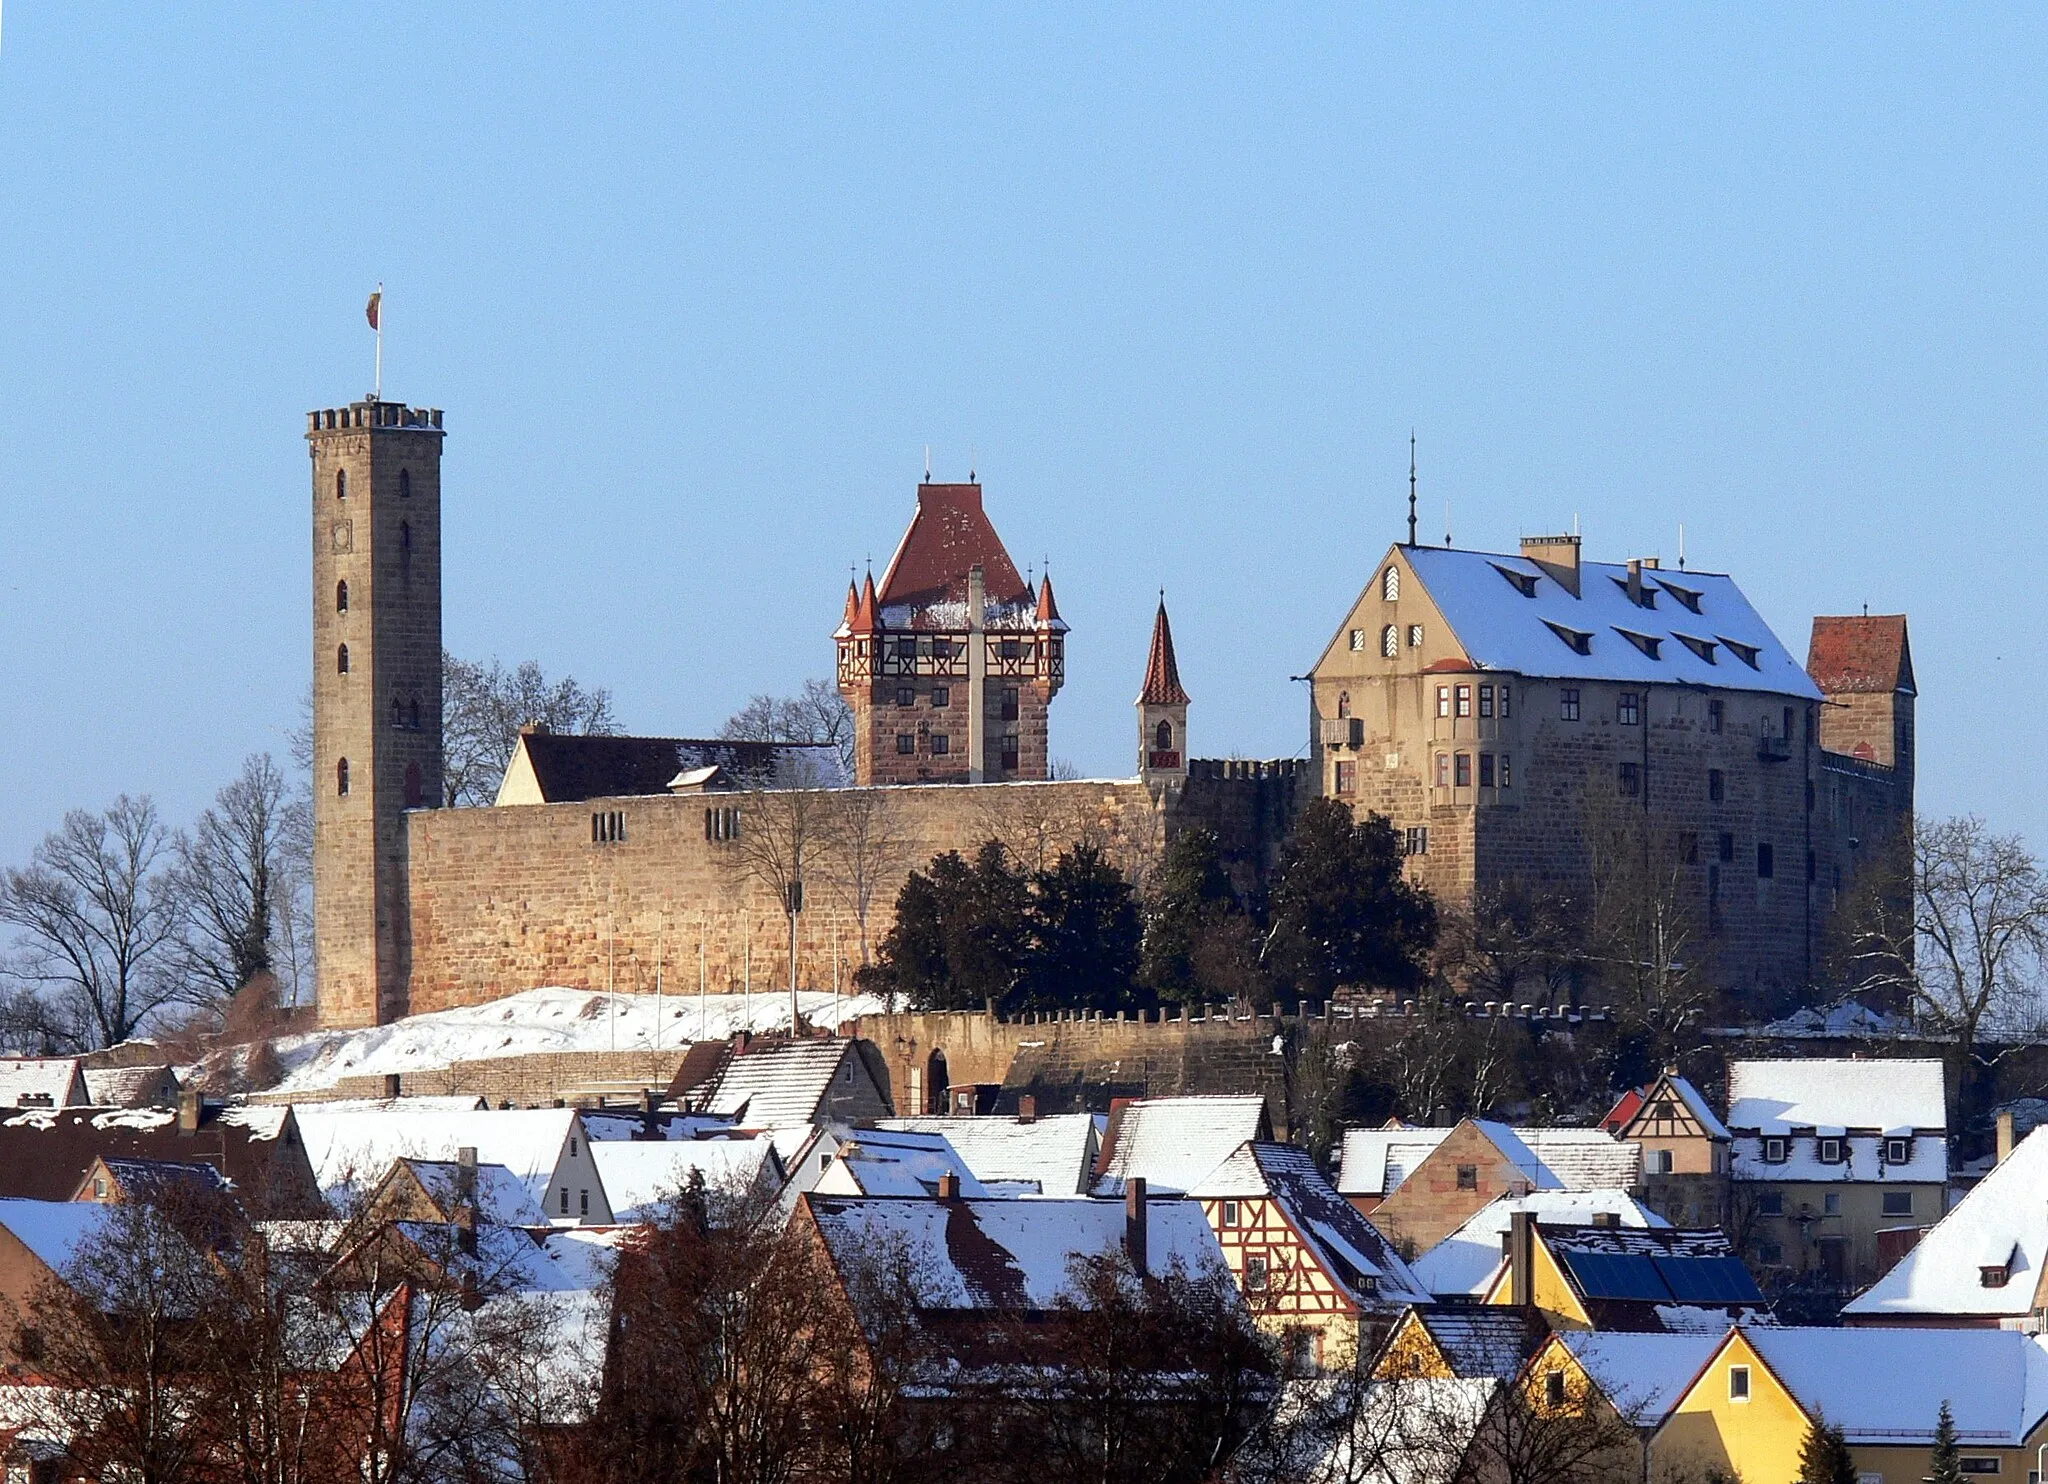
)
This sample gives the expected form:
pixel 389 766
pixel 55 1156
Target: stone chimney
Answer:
pixel 1557 556
pixel 2005 1132
pixel 188 1112
pixel 1522 1257
pixel 1027 1108
pixel 1635 582
pixel 1134 1223
pixel 949 1186
pixel 465 1174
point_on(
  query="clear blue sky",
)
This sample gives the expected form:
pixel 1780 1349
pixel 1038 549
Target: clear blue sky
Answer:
pixel 697 290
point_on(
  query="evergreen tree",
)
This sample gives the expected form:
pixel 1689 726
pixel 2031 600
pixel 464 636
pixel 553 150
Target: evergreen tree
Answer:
pixel 1192 895
pixel 1948 1462
pixel 1085 935
pixel 960 935
pixel 1824 1456
pixel 1343 913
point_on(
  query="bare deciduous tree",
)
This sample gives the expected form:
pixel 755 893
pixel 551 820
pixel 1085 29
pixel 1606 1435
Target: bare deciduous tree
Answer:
pixel 786 838
pixel 869 849
pixel 1512 941
pixel 97 915
pixel 817 713
pixel 483 708
pixel 230 880
pixel 1649 929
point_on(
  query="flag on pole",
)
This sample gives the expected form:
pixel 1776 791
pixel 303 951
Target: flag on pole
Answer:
pixel 376 299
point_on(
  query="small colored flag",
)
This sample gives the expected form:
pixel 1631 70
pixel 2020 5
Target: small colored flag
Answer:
pixel 375 300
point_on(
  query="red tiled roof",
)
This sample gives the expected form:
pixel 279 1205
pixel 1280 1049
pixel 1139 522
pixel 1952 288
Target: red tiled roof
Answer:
pixel 1048 610
pixel 950 534
pixel 1618 1116
pixel 1162 673
pixel 1866 653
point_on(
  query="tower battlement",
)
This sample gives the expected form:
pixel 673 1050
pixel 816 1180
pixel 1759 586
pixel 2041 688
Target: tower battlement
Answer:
pixel 372 414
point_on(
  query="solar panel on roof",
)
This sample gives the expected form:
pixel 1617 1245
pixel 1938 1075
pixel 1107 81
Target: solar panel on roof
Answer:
pixel 1708 1280
pixel 1617 1275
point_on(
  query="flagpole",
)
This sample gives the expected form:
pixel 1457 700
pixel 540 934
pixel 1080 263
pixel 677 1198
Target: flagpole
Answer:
pixel 379 394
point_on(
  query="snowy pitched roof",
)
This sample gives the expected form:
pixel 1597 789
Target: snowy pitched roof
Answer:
pixel 640 1178
pixel 1174 1142
pixel 1056 1153
pixel 949 534
pixel 782 1083
pixel 893 1162
pixel 1883 1385
pixel 2002 1222
pixel 1348 1247
pixel 358 1146
pixel 41 1082
pixel 1485 1339
pixel 130 1087
pixel 54 1230
pixel 1835 1095
pixel 1507 613
pixel 1465 1262
pixel 1006 1255
pixel 1375 1161
pixel 501 1197
pixel 1644 1375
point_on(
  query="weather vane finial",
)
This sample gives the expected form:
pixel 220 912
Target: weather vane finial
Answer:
pixel 1411 486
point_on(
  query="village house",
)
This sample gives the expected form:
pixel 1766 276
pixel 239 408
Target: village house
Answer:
pixel 643 1178
pixel 1465 1264
pixel 1636 1379
pixel 156 1181
pixel 1604 1277
pixel 1831 1155
pixel 42 1082
pixel 876 1161
pixel 1024 1155
pixel 1462 1340
pixel 1171 1143
pixel 1686 1148
pixel 783 1083
pixel 453 1191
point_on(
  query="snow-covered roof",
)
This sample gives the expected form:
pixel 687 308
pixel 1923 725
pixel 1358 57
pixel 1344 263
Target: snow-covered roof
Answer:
pixel 54 1230
pixel 1465 1262
pixel 1375 1161
pixel 792 1082
pixel 586 1254
pixel 1863 1159
pixel 620 1124
pixel 1348 1247
pixel 128 1087
pixel 502 1198
pixel 1411 1430
pixel 1055 1153
pixel 894 1162
pixel 1645 1375
pixel 262 1122
pixel 1887 1385
pixel 357 1147
pixel 1173 1142
pixel 1696 1104
pixel 1504 622
pixel 1484 1339
pixel 41 1082
pixel 1833 1095
pixel 2002 1221
pixel 640 1178
pixel 1007 1255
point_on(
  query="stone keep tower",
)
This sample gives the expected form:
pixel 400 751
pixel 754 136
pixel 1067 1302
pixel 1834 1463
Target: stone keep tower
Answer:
pixel 1162 713
pixel 376 691
pixel 951 666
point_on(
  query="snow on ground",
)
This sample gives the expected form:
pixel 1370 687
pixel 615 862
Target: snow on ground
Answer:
pixel 538 1021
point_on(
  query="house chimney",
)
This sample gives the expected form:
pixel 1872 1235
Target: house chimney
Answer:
pixel 977 676
pixel 391 1084
pixel 1134 1223
pixel 1027 1108
pixel 1557 556
pixel 465 1173
pixel 1635 581
pixel 1521 1257
pixel 188 1112
pixel 949 1186
pixel 650 1104
pixel 2005 1131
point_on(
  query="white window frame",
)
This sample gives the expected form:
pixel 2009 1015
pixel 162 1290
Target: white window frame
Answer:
pixel 1738 1383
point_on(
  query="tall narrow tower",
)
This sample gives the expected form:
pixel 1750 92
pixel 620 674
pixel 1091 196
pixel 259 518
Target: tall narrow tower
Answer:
pixel 376 691
pixel 1162 712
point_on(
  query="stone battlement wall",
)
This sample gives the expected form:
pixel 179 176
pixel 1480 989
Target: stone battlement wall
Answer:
pixel 531 1081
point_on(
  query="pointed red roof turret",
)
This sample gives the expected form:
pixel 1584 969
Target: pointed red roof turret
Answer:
pixel 867 616
pixel 1162 672
pixel 1048 610
pixel 846 619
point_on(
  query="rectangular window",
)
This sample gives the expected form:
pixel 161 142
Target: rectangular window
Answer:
pixel 1443 700
pixel 1443 770
pixel 1717 785
pixel 1468 1177
pixel 1830 1151
pixel 1766 861
pixel 1358 640
pixel 1416 840
pixel 1568 704
pixel 1255 1274
pixel 906 649
pixel 1230 1213
pixel 1486 700
pixel 1626 710
pixel 905 696
pixel 1347 777
pixel 1507 773
pixel 722 824
pixel 941 744
pixel 1553 1389
pixel 582 1203
pixel 1464 700
pixel 1486 770
pixel 1689 848
pixel 1506 698
pixel 1787 733
pixel 1771 1203
pixel 1009 703
pixel 1771 1254
pixel 607 828
pixel 565 1200
pixel 1898 1203
pixel 1013 649
pixel 1775 1149
pixel 1009 757
pixel 1631 778
pixel 1976 1464
pixel 942 649
pixel 1461 771
pixel 1716 712
pixel 1738 1383
pixel 1725 846
pixel 942 695
pixel 906 742
pixel 1898 1151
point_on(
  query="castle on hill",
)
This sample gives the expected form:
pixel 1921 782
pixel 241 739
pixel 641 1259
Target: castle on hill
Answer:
pixel 1506 712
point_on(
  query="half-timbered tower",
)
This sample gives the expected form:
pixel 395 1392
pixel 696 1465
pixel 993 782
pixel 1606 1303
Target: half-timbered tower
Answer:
pixel 951 665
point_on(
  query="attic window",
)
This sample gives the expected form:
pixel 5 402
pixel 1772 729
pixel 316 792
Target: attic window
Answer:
pixel 1649 594
pixel 1577 640
pixel 1704 648
pixel 1994 1275
pixel 1686 595
pixel 1649 644
pixel 1747 653
pixel 1774 1151
pixel 1898 1151
pixel 1524 582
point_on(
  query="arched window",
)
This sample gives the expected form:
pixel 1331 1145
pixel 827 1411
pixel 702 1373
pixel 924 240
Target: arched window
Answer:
pixel 341 597
pixel 1390 641
pixel 413 713
pixel 415 790
pixel 341 484
pixel 1390 585
pixel 397 712
pixel 1343 703
pixel 341 776
pixel 405 484
pixel 936 1083
pixel 405 535
pixel 341 660
pixel 1162 737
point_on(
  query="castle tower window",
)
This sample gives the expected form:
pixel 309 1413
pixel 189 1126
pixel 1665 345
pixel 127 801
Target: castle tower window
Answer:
pixel 905 696
pixel 1162 736
pixel 1390 585
pixel 1347 777
pixel 397 712
pixel 1766 861
pixel 1461 771
pixel 415 787
pixel 1443 770
pixel 1486 774
pixel 341 776
pixel 1717 714
pixel 942 696
pixel 1009 753
pixel 1717 785
pixel 1506 699
pixel 1443 700
pixel 341 484
pixel 1568 703
pixel 1390 641
pixel 906 743
pixel 405 484
pixel 412 712
pixel 1343 704
pixel 1485 701
pixel 1628 710
pixel 941 744
pixel 1415 636
pixel 1358 639
pixel 1630 778
pixel 1464 700
pixel 1725 846
pixel 341 660
pixel 341 596
pixel 1415 840
pixel 1009 703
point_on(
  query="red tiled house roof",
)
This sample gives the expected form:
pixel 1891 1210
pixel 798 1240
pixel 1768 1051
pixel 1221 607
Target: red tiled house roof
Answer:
pixel 1869 653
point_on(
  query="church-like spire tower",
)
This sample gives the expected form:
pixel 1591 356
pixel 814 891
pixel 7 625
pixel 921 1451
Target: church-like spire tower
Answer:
pixel 1162 711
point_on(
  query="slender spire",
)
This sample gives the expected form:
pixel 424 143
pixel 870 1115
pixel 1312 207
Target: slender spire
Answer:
pixel 1162 671
pixel 1411 486
pixel 1048 610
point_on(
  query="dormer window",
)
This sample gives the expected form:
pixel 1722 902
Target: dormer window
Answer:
pixel 1577 640
pixel 1775 1150
pixel 1522 582
pixel 1830 1151
pixel 1390 585
pixel 1898 1151
pixel 1688 596
pixel 1704 648
pixel 1747 653
pixel 1994 1275
pixel 1649 644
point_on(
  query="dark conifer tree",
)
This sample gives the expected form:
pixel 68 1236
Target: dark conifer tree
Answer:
pixel 1343 913
pixel 1085 935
